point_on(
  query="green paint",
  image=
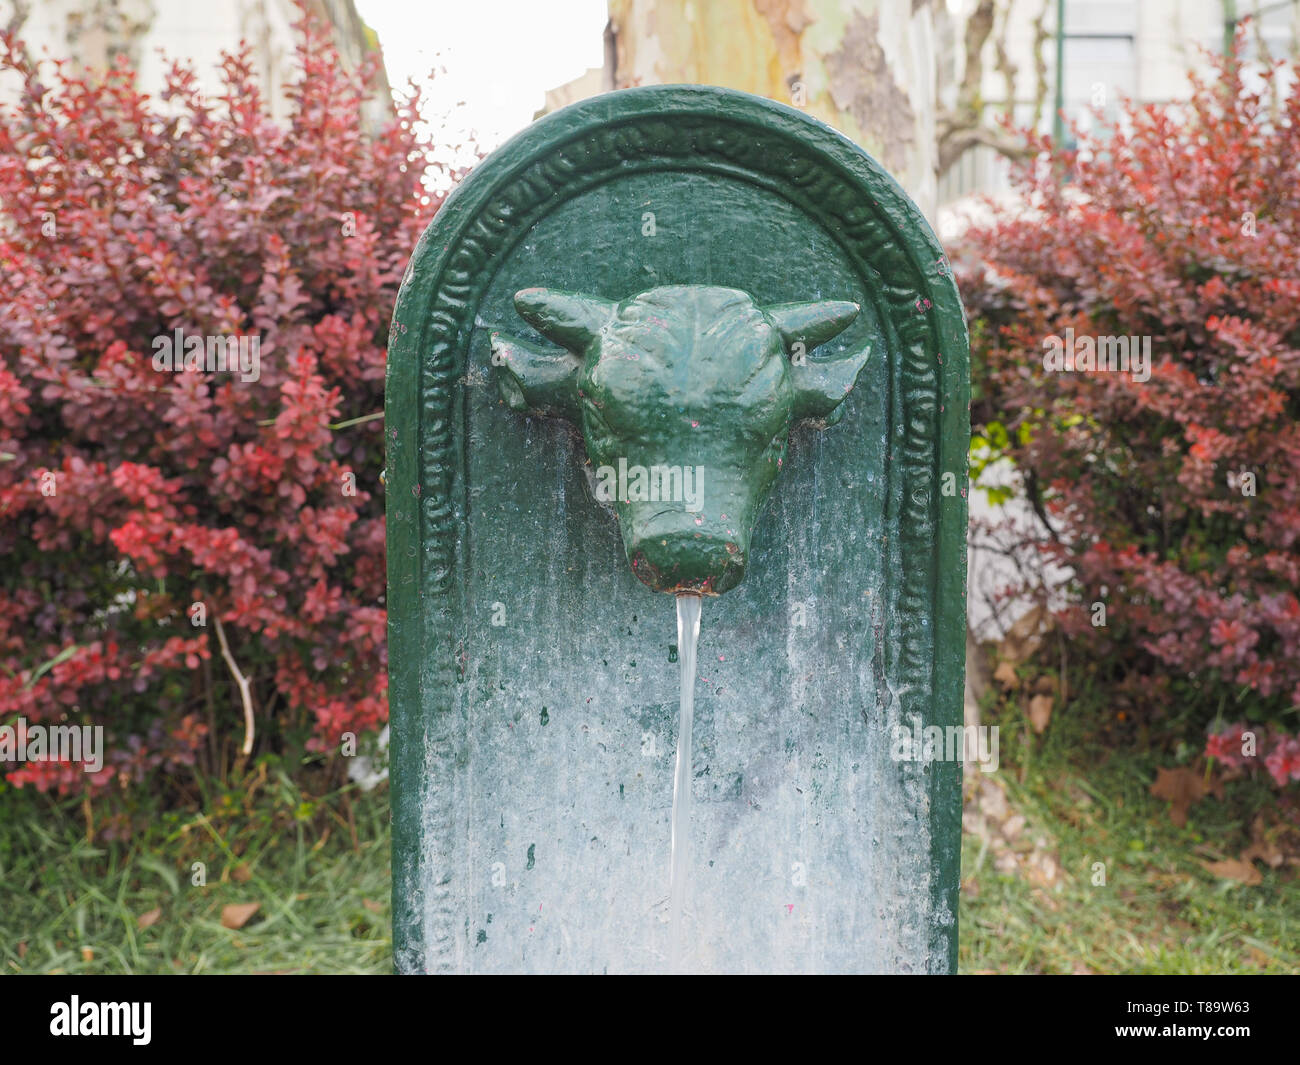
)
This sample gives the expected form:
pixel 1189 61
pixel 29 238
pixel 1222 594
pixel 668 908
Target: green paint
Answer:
pixel 759 209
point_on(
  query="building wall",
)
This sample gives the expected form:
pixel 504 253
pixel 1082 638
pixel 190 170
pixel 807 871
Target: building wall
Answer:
pixel 1143 49
pixel 92 33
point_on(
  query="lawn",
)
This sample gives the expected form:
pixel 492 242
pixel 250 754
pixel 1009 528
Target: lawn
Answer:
pixel 318 872
pixel 1131 893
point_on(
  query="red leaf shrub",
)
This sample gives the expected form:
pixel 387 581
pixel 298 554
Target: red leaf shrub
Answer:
pixel 1278 754
pixel 143 508
pixel 1175 500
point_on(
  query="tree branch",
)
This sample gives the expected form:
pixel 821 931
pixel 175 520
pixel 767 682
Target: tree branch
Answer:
pixel 244 693
pixel 955 141
pixel 962 127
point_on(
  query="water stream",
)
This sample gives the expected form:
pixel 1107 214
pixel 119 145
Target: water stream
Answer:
pixel 688 636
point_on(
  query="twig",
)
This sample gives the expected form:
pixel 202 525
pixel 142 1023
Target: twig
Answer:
pixel 356 421
pixel 334 426
pixel 1065 683
pixel 244 692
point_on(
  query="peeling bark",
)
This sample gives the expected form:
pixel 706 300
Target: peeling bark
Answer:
pixel 864 68
pixel 861 85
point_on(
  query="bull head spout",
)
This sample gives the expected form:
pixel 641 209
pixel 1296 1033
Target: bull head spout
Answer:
pixel 685 396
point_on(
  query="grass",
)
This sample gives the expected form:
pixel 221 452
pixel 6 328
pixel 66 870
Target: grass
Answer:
pixel 318 871
pixel 1159 910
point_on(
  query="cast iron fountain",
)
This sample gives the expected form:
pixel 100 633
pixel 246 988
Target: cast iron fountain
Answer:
pixel 653 300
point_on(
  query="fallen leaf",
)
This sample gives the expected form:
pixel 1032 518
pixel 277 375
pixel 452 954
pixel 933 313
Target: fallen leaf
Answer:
pixel 993 800
pixel 148 920
pixel 1005 675
pixel 372 905
pixel 1040 712
pixel 1181 787
pixel 1025 636
pixel 1048 872
pixel 236 914
pixel 241 874
pixel 1264 851
pixel 1232 869
pixel 1046 684
pixel 1267 843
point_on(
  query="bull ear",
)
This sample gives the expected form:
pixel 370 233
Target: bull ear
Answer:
pixel 530 379
pixel 820 387
pixel 567 318
pixel 812 323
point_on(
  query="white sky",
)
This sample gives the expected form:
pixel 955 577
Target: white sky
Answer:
pixel 498 57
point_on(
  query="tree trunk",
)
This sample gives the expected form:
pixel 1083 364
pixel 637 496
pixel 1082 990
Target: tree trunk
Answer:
pixel 867 69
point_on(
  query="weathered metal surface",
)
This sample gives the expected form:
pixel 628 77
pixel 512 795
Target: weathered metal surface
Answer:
pixel 694 388
pixel 531 688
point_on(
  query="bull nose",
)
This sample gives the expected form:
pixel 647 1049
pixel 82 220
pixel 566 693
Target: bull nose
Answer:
pixel 688 560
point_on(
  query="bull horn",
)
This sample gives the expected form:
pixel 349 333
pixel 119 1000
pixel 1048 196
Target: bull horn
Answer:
pixel 820 388
pixel 568 318
pixel 812 323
